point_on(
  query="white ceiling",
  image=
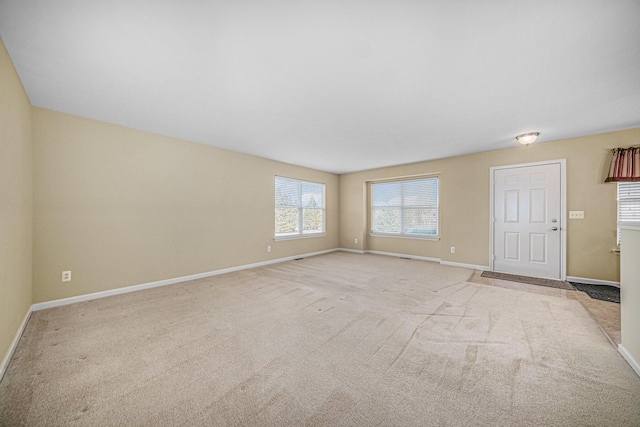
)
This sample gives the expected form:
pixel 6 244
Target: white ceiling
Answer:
pixel 335 85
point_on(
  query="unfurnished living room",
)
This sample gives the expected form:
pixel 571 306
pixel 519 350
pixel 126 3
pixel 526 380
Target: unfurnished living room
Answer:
pixel 330 213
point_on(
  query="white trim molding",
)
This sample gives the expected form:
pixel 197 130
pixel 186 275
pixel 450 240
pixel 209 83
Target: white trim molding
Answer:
pixel 461 264
pixel 433 237
pixel 629 358
pixel 353 251
pixel 298 236
pixel 14 343
pixel 135 288
pixel 422 258
pixel 588 281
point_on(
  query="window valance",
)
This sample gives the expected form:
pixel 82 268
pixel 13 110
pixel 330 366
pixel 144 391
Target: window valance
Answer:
pixel 625 165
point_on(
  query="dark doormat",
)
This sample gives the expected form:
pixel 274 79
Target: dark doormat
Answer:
pixel 601 292
pixel 560 284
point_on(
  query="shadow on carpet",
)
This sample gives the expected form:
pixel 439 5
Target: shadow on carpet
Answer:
pixel 601 292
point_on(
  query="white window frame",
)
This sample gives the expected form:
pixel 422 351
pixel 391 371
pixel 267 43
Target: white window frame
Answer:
pixel 300 233
pixel 402 234
pixel 629 204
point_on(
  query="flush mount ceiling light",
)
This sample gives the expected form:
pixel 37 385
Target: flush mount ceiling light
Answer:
pixel 527 138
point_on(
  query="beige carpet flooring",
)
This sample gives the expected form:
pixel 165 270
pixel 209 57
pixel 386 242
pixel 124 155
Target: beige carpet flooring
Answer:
pixel 333 340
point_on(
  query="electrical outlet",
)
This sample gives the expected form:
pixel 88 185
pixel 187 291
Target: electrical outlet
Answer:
pixel 66 276
pixel 576 214
pixel 356 240
pixel 268 248
pixel 453 249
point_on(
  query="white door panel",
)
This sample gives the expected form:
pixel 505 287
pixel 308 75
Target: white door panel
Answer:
pixel 527 220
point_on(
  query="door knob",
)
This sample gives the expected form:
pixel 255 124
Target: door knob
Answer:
pixel 554 228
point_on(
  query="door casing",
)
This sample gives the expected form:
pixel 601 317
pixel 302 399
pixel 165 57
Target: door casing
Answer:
pixel 563 210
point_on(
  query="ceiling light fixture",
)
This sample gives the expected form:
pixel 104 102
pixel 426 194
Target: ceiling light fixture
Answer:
pixel 527 138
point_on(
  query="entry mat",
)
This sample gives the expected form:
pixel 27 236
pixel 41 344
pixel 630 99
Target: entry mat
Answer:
pixel 601 292
pixel 560 284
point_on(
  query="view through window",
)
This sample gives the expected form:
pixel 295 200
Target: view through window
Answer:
pixel 407 208
pixel 299 208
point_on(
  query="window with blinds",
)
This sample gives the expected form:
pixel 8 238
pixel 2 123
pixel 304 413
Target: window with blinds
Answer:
pixel 299 208
pixel 407 208
pixel 628 203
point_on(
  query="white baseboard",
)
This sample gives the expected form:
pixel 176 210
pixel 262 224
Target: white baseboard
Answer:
pixel 135 288
pixel 14 343
pixel 460 264
pixel 353 251
pixel 629 358
pixel 588 281
pixel 422 258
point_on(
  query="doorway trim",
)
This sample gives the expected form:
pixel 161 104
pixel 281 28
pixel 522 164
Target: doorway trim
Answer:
pixel 563 209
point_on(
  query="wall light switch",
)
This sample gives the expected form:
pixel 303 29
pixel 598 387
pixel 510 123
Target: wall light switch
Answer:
pixel 576 214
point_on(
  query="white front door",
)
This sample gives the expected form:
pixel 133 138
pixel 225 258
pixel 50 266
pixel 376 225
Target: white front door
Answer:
pixel 527 220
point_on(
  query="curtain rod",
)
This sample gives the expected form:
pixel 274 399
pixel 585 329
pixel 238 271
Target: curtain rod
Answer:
pixel 613 150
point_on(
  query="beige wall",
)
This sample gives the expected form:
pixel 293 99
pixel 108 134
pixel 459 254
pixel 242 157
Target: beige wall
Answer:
pixel 15 202
pixel 464 204
pixel 121 207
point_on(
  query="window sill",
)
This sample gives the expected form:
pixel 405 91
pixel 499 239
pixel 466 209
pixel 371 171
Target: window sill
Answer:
pixel 299 236
pixel 430 237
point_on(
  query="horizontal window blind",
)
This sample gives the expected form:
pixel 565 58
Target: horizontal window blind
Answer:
pixel 405 208
pixel 629 201
pixel 299 207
